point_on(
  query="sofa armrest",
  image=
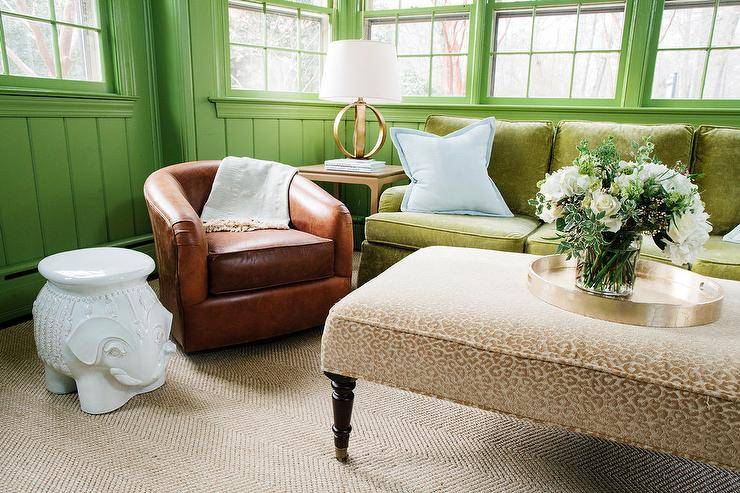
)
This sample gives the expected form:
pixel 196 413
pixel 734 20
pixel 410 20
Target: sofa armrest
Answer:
pixel 180 241
pixel 390 200
pixel 315 211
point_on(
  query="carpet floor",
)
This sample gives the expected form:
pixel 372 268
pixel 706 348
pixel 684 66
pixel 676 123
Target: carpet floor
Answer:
pixel 256 418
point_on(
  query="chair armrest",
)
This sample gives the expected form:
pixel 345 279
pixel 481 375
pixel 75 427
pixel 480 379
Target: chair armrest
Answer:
pixel 390 200
pixel 313 210
pixel 179 238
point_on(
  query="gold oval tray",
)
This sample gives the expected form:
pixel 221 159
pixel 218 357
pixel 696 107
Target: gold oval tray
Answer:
pixel 664 295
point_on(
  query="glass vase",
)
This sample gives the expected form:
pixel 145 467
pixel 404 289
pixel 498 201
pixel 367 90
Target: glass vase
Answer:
pixel 609 270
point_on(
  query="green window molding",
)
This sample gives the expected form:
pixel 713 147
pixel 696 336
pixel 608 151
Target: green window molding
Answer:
pixel 277 48
pixel 61 45
pixel 435 41
pixel 694 54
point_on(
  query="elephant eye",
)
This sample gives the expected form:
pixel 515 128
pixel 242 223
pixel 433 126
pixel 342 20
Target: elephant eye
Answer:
pixel 114 350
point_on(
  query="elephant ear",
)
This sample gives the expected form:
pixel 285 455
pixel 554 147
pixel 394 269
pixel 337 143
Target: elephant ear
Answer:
pixel 88 338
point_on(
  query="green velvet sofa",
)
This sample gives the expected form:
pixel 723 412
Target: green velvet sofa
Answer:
pixel 523 152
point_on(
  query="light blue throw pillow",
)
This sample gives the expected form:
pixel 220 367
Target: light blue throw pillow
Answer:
pixel 449 175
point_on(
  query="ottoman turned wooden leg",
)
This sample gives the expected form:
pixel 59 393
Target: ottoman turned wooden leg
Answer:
pixel 342 398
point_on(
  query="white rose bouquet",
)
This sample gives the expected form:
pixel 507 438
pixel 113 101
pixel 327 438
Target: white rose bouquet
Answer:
pixel 602 205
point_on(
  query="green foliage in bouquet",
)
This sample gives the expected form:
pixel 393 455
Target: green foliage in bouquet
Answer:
pixel 602 205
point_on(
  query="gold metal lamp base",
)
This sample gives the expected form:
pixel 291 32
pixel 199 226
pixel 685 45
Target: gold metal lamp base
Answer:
pixel 360 130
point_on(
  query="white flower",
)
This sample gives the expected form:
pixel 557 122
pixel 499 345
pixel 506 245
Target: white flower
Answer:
pixel 688 233
pixel 551 188
pixel 609 205
pixel 678 183
pixel 550 212
pixel 574 183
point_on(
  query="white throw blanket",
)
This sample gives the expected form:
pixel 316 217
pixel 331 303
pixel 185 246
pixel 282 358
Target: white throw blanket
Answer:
pixel 248 194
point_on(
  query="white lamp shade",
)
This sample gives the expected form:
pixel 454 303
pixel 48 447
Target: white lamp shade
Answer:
pixel 361 69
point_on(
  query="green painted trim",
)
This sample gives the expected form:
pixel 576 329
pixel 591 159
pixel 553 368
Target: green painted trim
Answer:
pixel 29 104
pixel 32 264
pixel 317 110
pixel 274 109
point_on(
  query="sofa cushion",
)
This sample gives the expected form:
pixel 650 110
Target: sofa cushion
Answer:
pixel 672 142
pixel 520 156
pixel 719 259
pixel 717 158
pixel 540 243
pixel 266 258
pixel 416 230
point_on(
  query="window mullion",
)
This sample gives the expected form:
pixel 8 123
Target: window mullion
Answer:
pixel 708 50
pixel 531 46
pixel 431 58
pixel 55 41
pixel 6 68
pixel 264 33
pixel 575 48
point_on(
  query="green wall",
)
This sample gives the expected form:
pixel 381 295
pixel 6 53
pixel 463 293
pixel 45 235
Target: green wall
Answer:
pixel 73 165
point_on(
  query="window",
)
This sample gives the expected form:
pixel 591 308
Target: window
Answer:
pixel 698 54
pixel 432 43
pixel 557 52
pixel 277 48
pixel 53 39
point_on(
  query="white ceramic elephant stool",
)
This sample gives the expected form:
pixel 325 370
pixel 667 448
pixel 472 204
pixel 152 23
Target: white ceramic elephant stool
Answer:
pixel 99 327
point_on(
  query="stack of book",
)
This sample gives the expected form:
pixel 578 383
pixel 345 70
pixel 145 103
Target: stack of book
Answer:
pixel 354 165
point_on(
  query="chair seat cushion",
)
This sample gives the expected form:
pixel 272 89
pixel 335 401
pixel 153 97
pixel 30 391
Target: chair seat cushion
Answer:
pixel 719 259
pixel 266 258
pixel 418 230
pixel 541 243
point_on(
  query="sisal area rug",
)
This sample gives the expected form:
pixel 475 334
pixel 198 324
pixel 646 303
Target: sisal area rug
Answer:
pixel 256 418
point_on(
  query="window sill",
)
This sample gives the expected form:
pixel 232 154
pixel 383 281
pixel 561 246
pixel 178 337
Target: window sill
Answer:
pixel 47 103
pixel 236 107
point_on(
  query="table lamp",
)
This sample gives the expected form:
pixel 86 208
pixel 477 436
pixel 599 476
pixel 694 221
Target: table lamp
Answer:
pixel 361 72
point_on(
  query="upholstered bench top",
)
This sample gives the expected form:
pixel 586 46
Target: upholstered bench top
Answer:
pixel 461 324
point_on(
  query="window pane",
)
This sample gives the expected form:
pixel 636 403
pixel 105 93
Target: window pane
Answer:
pixel 449 75
pixel 685 27
pixel 727 27
pixel 35 8
pixel 510 74
pixel 678 74
pixel 282 71
pixel 600 29
pixel 414 76
pixel 453 2
pixel 554 30
pixel 723 74
pixel 412 4
pixel 513 32
pixel 382 4
pixel 414 37
pixel 83 12
pixel 282 30
pixel 450 35
pixel 247 68
pixel 29 47
pixel 311 29
pixel 79 53
pixel 550 75
pixel 311 68
pixel 247 25
pixel 595 75
pixel 318 3
pixel 382 32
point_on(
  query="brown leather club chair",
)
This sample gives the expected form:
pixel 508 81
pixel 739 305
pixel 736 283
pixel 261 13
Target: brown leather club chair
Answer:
pixel 229 288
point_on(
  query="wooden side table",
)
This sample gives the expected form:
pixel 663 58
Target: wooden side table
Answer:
pixel 374 181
